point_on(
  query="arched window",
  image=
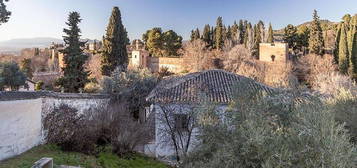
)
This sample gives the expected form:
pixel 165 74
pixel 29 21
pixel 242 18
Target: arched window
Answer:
pixel 273 58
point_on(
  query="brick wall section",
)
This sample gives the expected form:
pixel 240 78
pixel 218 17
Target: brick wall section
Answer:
pixel 278 51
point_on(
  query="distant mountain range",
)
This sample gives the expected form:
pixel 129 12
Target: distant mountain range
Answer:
pixel 325 24
pixel 15 45
pixel 30 42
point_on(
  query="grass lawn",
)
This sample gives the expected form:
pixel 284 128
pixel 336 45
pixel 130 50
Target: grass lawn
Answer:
pixel 104 160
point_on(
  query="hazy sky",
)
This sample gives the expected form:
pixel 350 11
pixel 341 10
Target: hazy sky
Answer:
pixel 46 18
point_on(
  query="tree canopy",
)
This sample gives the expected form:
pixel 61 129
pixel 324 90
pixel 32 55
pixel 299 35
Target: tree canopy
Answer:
pixel 162 44
pixel 4 13
pixel 11 76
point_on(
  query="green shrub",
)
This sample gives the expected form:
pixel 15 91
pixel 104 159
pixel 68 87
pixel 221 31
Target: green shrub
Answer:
pixel 39 85
pixel 287 129
pixel 92 87
pixel 344 106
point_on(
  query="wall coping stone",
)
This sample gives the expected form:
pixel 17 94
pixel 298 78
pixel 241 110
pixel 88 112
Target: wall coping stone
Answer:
pixel 24 95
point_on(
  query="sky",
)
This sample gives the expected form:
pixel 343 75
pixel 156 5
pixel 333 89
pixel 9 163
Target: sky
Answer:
pixel 46 18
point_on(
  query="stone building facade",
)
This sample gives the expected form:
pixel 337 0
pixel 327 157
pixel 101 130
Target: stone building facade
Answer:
pixel 274 52
pixel 142 58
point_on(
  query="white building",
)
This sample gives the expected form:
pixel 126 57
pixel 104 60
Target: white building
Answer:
pixel 175 100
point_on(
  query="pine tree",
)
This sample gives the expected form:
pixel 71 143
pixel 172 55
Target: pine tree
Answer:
pixel 219 33
pixel 290 36
pixel 316 41
pixel 75 77
pixel 303 38
pixel 270 34
pixel 343 51
pixel 114 51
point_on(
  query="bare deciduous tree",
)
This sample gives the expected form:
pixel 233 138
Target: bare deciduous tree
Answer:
pixel 177 123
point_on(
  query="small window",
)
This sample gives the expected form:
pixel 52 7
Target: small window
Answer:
pixel 181 122
pixel 134 56
pixel 273 58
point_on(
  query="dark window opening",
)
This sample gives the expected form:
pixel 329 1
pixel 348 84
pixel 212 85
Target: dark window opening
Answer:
pixel 181 122
pixel 273 58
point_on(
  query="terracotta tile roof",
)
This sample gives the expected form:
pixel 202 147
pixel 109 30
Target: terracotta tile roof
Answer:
pixel 214 85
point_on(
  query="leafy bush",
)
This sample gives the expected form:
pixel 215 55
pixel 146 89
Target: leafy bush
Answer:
pixel 344 106
pixel 164 71
pixel 112 125
pixel 11 76
pixel 39 85
pixel 287 129
pixel 92 87
pixel 68 129
pixel 132 86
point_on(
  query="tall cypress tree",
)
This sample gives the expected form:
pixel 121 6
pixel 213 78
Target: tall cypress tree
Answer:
pixel 206 36
pixel 219 41
pixel 351 32
pixel 316 41
pixel 270 34
pixel 114 45
pixel 337 43
pixel 242 30
pixel 247 34
pixel 257 40
pixel 353 60
pixel 75 76
pixel 197 34
pixel 343 51
pixel 193 35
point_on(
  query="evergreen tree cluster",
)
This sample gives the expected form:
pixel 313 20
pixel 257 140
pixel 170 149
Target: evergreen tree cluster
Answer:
pixel 346 45
pixel 305 37
pixel 113 54
pixel 243 33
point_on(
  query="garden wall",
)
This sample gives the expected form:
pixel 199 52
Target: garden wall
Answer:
pixel 22 115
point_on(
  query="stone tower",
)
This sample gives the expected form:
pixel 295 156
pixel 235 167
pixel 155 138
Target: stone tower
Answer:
pixel 139 56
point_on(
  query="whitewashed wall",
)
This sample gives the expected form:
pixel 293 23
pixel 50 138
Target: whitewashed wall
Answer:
pixel 20 126
pixel 163 148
